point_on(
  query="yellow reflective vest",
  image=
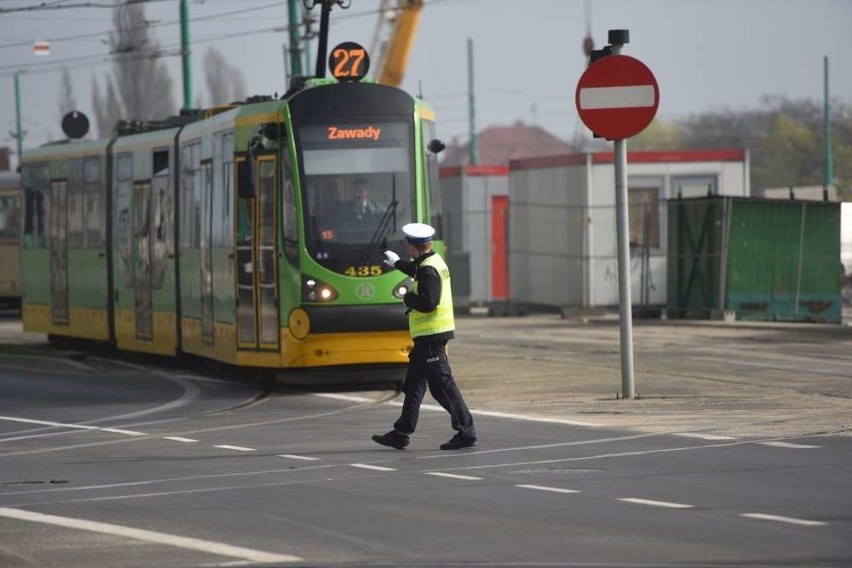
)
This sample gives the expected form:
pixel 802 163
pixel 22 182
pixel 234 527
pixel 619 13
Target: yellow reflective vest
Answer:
pixel 441 319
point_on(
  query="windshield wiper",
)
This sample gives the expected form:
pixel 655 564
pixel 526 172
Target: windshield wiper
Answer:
pixel 381 230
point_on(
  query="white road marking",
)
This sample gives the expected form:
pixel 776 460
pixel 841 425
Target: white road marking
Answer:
pixel 126 432
pixel 544 488
pixel 791 520
pixel 295 457
pixel 713 437
pixel 530 418
pixel 490 413
pixel 789 445
pixel 656 503
pixel 453 476
pixel 373 467
pixel 179 439
pixel 48 423
pixel 616 97
pixel 76 426
pixel 345 397
pixel 207 546
pixel 237 448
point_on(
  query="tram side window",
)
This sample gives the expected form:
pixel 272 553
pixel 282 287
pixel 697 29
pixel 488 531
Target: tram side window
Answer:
pixel 76 208
pixel 190 195
pixel 10 213
pixel 223 190
pixel 95 224
pixel 289 213
pixel 35 188
pixel 428 134
pixel 228 194
pixel 124 215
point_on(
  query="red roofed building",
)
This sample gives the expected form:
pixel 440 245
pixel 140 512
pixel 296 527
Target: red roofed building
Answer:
pixel 498 145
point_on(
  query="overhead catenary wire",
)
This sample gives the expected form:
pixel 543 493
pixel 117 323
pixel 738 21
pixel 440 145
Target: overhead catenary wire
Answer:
pixel 98 60
pixel 149 26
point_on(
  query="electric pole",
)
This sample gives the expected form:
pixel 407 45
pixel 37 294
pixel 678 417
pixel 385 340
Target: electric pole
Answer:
pixel 19 133
pixel 295 41
pixel 473 147
pixel 185 54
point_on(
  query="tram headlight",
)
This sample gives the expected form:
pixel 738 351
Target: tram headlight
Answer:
pixel 403 288
pixel 314 290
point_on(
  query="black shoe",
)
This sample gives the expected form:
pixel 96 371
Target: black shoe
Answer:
pixel 392 439
pixel 458 442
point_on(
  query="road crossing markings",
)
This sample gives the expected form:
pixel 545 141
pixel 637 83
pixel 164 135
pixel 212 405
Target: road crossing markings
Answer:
pixel 653 503
pixel 372 467
pixel 237 448
pixel 789 445
pixel 780 519
pixel 295 457
pixel 544 488
pixel 712 437
pixel 210 547
pixel 179 439
pixel 453 476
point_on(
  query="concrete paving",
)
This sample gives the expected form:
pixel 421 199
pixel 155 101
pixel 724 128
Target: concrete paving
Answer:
pixel 715 378
pixel 724 378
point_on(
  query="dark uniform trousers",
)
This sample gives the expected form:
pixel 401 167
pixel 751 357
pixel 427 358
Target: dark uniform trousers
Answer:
pixel 428 365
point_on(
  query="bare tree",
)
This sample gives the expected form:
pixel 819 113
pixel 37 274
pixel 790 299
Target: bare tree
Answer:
pixel 141 81
pixel 67 103
pixel 225 82
pixel 107 108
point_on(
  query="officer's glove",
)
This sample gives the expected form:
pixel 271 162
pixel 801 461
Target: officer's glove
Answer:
pixel 390 258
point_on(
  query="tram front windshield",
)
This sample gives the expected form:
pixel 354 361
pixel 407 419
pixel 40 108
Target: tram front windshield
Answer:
pixel 358 192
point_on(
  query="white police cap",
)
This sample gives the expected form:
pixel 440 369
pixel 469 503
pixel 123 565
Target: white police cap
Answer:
pixel 418 233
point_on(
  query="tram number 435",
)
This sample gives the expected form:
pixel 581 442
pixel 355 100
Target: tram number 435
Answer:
pixel 349 61
pixel 373 270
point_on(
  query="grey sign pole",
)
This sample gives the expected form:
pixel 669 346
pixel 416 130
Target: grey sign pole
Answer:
pixel 617 39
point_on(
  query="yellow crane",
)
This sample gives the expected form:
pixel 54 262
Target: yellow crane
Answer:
pixel 394 38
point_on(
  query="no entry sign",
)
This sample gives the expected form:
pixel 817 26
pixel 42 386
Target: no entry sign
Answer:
pixel 617 97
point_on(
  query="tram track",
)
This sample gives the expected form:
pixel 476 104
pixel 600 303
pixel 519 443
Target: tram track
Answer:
pixel 198 431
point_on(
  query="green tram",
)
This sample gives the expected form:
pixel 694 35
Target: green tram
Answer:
pixel 10 221
pixel 232 236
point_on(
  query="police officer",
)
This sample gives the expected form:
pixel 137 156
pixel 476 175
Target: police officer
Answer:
pixel 431 324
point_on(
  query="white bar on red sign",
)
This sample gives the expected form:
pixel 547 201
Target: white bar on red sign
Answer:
pixel 617 97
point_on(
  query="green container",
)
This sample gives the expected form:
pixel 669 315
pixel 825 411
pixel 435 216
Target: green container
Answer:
pixel 760 259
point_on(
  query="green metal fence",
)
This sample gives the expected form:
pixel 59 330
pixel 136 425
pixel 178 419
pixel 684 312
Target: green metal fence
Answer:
pixel 760 259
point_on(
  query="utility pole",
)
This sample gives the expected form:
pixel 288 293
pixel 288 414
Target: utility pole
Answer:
pixel 19 133
pixel 295 40
pixel 617 38
pixel 473 150
pixel 185 54
pixel 828 164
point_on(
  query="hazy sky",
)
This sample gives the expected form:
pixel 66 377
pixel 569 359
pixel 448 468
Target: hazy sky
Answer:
pixel 706 54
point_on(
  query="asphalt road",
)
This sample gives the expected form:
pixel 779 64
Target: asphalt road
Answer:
pixel 108 462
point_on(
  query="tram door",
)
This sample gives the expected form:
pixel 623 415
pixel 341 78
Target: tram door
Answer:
pixel 58 253
pixel 142 261
pixel 257 286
